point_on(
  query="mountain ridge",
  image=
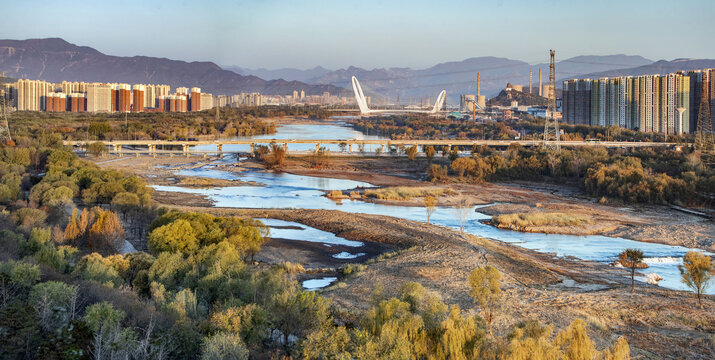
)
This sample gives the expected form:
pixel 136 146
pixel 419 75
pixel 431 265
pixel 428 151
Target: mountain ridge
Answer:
pixel 55 60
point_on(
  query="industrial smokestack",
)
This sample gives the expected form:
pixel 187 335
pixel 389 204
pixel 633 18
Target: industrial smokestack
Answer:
pixel 540 94
pixel 530 73
pixel 479 84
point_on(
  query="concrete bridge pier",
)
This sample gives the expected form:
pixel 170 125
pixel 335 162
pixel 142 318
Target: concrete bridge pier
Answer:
pixel 118 149
pixel 152 150
pixel 285 147
pixel 253 147
pixel 186 148
pixel 219 149
pixel 317 147
pixel 350 148
pixel 383 148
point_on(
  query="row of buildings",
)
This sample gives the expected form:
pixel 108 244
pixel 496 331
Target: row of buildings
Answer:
pixel 667 104
pixel 38 95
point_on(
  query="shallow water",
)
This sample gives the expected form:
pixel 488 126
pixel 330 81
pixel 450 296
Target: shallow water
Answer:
pixel 319 283
pixel 332 131
pixel 306 233
pixel 289 191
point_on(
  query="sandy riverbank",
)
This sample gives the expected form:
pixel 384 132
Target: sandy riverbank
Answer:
pixel 649 223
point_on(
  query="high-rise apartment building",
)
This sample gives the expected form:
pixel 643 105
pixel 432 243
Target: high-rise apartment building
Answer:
pixel 207 101
pixel 149 96
pixel 138 98
pixel 162 90
pixel 195 101
pixel 76 102
pixel 99 98
pixel 648 103
pixel 124 100
pixel 31 94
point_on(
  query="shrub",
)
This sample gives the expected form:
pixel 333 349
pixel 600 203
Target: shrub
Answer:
pixel 520 221
pixel 177 236
pixel 404 192
pixel 696 272
pixel 437 173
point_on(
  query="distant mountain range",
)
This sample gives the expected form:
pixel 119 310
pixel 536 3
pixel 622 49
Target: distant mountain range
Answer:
pixel 658 67
pixel 457 77
pixel 56 60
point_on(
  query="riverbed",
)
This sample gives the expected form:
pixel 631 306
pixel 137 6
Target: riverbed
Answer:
pixel 289 191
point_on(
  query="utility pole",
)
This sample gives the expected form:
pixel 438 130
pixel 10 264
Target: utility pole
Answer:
pixel 704 130
pixel 551 125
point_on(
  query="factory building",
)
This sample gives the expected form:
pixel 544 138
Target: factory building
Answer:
pixel 466 103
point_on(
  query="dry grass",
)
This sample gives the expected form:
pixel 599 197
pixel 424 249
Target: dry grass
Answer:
pixel 405 192
pixel 291 268
pixel 523 220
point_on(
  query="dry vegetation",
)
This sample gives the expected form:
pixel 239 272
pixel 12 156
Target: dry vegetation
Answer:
pixel 406 192
pixel 519 221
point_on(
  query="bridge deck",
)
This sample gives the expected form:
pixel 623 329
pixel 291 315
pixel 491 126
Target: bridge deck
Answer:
pixel 500 143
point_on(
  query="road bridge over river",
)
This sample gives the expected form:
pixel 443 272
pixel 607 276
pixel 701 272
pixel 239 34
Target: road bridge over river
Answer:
pixel 204 147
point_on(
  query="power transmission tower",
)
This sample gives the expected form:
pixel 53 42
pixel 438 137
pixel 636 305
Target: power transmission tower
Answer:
pixel 551 125
pixel 4 127
pixel 704 130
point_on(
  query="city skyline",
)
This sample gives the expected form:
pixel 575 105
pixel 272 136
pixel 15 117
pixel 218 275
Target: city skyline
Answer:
pixel 371 34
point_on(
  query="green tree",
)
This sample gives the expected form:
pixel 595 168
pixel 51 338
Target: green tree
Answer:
pixel 54 303
pixel 484 284
pixel 110 340
pixel 175 236
pixel 330 342
pixel 430 203
pixel 632 259
pixel 57 196
pixel 696 272
pixel 125 202
pixel 97 148
pixel 224 346
pixel 299 313
pixel 16 278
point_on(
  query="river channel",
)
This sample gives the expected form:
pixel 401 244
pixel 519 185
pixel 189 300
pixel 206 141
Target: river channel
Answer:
pixel 282 190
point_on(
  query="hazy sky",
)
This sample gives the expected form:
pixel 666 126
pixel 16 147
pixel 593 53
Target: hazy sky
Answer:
pixel 369 33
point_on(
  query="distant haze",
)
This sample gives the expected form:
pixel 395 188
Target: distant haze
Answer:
pixel 369 34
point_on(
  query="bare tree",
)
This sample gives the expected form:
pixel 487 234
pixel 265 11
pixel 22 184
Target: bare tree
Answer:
pixel 430 203
pixel 462 210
